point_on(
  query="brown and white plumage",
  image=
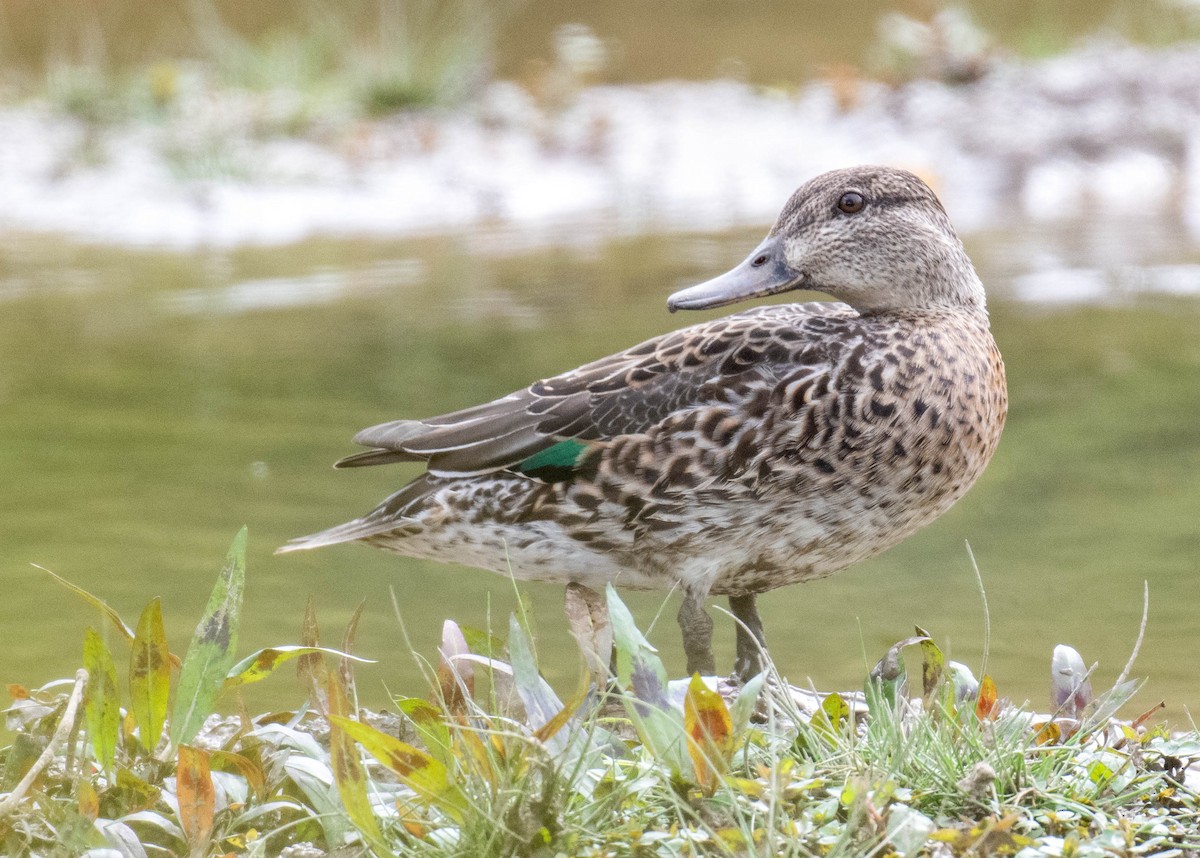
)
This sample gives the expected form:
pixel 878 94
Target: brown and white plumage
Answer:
pixel 738 455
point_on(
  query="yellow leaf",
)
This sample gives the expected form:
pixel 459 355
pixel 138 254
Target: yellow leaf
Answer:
pixel 831 718
pixel 709 730
pixel 1048 733
pixel 149 676
pixel 427 721
pixel 427 777
pixel 101 701
pixel 259 665
pixel 753 789
pixel 348 770
pixel 88 799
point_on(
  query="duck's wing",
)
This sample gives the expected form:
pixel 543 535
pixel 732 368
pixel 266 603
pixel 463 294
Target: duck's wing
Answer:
pixel 625 393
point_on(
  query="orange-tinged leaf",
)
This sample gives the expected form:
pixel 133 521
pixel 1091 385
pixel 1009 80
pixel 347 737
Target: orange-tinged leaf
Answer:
pixel 310 632
pixel 551 727
pixel 348 771
pixel 149 676
pixel 310 666
pixel 469 747
pixel 101 700
pixel 986 705
pixel 345 666
pixel 709 730
pixel 197 798
pixel 228 761
pixel 1140 721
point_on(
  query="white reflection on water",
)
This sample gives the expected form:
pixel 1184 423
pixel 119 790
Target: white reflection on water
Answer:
pixel 1096 285
pixel 275 293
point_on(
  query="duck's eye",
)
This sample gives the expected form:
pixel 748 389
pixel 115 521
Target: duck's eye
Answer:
pixel 851 202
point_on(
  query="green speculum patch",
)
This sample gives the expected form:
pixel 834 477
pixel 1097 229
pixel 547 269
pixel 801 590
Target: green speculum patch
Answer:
pixel 556 463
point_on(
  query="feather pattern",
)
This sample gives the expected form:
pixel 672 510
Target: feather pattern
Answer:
pixel 622 394
pixel 737 455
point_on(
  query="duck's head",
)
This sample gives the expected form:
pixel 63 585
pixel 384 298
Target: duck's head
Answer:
pixel 874 237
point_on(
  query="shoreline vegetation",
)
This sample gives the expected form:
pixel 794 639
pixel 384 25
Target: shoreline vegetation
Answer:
pixel 400 128
pixel 925 760
pixel 316 131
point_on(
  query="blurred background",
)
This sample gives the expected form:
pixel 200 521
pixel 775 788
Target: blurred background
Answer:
pixel 233 234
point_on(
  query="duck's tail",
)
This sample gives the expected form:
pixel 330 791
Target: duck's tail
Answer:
pixel 394 517
pixel 351 531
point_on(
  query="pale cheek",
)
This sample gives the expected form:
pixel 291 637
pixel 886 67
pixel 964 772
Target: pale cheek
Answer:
pixel 854 277
pixel 798 252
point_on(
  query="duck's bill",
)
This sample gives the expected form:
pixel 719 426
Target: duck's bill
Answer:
pixel 763 272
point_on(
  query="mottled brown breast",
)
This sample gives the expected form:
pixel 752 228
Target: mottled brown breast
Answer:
pixel 856 459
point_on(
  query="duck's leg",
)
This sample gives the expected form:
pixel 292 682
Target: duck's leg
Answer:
pixel 697 628
pixel 751 641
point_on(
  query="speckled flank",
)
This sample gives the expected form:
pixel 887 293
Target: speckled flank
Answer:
pixel 739 455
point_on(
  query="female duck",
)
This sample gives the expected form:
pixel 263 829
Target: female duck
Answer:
pixel 732 457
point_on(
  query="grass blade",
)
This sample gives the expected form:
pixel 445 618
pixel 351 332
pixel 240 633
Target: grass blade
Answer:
pixel 95 601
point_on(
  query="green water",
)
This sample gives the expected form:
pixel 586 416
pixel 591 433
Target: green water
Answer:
pixel 152 403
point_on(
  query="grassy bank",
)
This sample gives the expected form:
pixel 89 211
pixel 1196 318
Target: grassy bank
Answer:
pixel 494 762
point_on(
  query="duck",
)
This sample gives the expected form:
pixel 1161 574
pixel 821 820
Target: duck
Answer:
pixel 777 445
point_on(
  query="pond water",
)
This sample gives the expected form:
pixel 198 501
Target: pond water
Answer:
pixel 152 403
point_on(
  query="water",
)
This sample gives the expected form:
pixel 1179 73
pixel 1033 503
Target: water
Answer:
pixel 151 403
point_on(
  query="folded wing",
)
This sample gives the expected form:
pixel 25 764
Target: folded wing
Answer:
pixel 624 393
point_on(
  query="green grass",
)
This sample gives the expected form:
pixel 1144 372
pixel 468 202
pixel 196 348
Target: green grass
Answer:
pixel 493 762
pixel 319 65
